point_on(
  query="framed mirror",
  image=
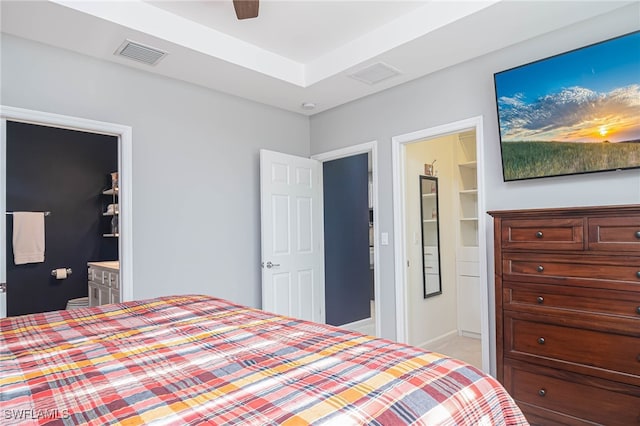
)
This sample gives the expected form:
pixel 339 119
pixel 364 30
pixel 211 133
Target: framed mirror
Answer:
pixel 429 215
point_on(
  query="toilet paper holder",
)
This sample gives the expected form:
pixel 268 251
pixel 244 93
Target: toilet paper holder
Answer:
pixel 69 272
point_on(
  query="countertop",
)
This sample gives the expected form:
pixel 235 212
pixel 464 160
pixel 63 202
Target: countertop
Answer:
pixel 110 264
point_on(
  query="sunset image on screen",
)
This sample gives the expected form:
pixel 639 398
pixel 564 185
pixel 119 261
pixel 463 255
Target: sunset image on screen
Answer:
pixel 572 113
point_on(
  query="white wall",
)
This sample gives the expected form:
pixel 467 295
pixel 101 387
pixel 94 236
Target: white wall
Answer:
pixel 196 205
pixel 462 92
pixel 431 318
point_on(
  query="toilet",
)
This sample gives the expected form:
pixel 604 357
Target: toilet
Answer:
pixel 80 302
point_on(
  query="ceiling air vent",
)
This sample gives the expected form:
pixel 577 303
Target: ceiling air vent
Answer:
pixel 375 73
pixel 140 52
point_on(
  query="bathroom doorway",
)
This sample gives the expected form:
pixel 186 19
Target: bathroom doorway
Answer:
pixel 56 176
pixel 62 174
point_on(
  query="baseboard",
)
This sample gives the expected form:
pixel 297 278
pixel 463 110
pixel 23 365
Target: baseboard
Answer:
pixel 437 340
pixel 470 334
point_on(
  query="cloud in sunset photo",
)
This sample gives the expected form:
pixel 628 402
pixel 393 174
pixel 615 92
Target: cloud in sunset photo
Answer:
pixel 574 114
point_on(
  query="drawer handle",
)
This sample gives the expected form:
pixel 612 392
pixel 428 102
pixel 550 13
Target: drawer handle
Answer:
pixel 638 310
pixel 541 340
pixel 540 300
pixel 638 235
pixel 542 392
pixel 539 234
pixel 540 268
pixel 638 274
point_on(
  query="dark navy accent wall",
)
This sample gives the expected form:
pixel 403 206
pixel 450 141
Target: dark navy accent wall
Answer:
pixel 346 240
pixel 64 172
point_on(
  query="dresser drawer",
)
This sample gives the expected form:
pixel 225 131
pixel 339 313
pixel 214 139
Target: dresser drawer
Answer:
pixel 543 298
pixel 570 269
pixel 614 233
pixel 566 399
pixel 543 234
pixel 569 345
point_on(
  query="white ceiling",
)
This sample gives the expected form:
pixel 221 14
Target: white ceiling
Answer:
pixel 305 31
pixel 295 51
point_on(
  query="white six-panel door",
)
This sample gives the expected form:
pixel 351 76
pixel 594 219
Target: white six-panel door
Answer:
pixel 291 236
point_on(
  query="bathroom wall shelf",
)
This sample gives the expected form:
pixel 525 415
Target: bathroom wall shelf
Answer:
pixel 113 193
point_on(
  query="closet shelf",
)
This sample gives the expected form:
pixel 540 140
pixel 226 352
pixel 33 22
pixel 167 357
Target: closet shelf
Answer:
pixel 469 219
pixel 110 191
pixel 110 214
pixel 428 195
pixel 469 191
pixel 469 164
pixel 430 220
pixel 111 235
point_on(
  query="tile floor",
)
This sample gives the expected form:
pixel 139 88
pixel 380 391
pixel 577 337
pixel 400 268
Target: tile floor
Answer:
pixel 464 348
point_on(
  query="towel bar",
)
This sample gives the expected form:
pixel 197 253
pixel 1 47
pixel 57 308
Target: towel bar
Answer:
pixel 45 213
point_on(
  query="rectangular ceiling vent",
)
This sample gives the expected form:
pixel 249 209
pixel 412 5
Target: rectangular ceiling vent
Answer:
pixel 374 74
pixel 139 52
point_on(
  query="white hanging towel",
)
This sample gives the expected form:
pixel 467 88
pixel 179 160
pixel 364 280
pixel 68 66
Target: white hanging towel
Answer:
pixel 28 237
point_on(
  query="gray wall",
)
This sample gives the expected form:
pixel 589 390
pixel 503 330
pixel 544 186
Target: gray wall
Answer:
pixel 459 93
pixel 196 197
pixel 195 155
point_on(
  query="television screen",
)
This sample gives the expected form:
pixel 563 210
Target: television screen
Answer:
pixel 577 112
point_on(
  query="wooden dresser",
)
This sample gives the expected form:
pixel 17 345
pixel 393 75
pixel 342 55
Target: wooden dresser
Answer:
pixel 567 288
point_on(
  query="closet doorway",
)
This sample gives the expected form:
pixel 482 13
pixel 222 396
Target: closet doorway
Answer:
pixel 454 322
pixel 14 118
pixel 337 165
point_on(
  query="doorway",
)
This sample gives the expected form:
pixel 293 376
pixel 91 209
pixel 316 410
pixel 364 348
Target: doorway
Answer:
pixel 370 325
pixel 455 151
pixel 59 174
pixel 124 158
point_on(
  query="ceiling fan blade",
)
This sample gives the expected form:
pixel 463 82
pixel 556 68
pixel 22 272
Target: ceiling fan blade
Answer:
pixel 246 9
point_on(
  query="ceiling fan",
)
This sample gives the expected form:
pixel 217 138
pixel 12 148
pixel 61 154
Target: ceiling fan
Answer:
pixel 246 9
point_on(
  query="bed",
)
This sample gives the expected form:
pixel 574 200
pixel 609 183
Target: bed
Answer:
pixel 201 360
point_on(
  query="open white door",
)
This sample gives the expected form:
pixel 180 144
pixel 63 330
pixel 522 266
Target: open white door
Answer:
pixel 3 224
pixel 291 236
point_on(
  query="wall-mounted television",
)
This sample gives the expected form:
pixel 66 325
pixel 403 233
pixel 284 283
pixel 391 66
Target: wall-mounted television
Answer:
pixel 576 112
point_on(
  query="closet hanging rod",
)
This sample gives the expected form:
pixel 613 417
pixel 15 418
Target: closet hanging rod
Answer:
pixel 45 213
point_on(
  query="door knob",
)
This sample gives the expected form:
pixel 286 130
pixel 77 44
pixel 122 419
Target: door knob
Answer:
pixel 270 265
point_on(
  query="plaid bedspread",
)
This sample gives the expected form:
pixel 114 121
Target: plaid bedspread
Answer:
pixel 200 360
